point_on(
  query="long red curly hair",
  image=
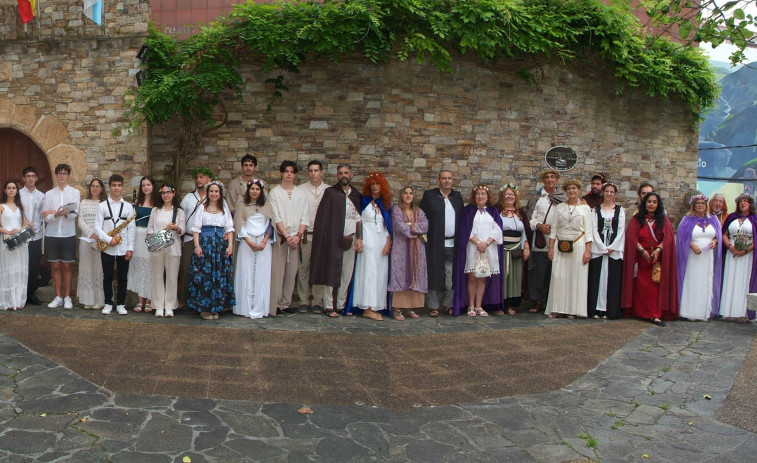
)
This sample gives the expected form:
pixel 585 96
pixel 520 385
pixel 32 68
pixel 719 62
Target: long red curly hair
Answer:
pixel 386 194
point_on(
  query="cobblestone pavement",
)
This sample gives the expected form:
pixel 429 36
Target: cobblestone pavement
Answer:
pixel 654 400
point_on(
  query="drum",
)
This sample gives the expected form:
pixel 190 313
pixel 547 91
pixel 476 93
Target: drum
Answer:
pixel 159 240
pixel 19 239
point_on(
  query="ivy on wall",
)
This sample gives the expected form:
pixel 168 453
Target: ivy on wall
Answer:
pixel 185 79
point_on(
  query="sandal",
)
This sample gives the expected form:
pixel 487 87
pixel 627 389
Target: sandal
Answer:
pixel 433 313
pixel 412 314
pixel 511 311
pixel 148 308
pixel 450 312
pixel 471 311
pixel 371 315
pixel 499 312
pixel 481 312
pixel 138 307
pixel 206 315
pixel 399 316
pixel 330 312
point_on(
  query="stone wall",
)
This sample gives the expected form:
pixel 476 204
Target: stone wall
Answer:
pixel 482 122
pixel 65 74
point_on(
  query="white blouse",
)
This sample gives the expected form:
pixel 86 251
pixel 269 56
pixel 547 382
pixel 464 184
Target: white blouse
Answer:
pixel 205 218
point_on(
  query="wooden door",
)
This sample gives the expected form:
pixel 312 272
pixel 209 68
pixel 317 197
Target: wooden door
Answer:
pixel 17 151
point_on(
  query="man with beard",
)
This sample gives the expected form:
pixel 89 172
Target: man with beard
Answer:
pixel 190 204
pixel 337 235
pixel 594 198
pixel 539 209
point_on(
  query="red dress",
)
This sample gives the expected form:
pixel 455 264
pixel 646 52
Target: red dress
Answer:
pixel 641 297
pixel 646 292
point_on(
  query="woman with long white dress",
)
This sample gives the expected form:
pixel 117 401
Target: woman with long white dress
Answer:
pixel 139 280
pixel 572 236
pixel 739 277
pixel 606 265
pixel 89 283
pixel 371 279
pixel 14 264
pixel 167 217
pixel 698 261
pixel 252 279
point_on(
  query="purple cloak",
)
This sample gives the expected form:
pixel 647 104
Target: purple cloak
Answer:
pixel 683 240
pixel 752 279
pixel 493 290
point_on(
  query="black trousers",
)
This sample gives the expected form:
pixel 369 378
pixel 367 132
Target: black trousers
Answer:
pixel 35 255
pixel 122 272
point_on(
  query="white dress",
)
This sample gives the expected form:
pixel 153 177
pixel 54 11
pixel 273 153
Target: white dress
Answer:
pixel 372 268
pixel 252 280
pixel 696 294
pixel 139 279
pixel 89 286
pixel 14 265
pixel 569 286
pixel 736 275
pixel 483 228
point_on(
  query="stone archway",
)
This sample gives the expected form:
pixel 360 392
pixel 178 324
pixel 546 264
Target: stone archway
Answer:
pixel 48 133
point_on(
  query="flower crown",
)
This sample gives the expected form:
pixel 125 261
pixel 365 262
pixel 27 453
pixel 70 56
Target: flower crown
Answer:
pixel 216 183
pixel 256 181
pixel 374 175
pixel 510 186
pixel 696 198
pixel 482 187
pixel 611 184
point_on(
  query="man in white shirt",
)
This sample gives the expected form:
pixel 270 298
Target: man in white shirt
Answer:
pixel 313 190
pixel 191 205
pixel 32 199
pixel 541 206
pixel 291 219
pixel 60 208
pixel 112 213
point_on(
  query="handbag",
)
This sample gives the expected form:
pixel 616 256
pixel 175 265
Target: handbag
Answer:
pixel 567 245
pixel 516 254
pixel 656 272
pixel 540 241
pixel 482 269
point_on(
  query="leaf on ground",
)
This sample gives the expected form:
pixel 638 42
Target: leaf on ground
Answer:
pixel 186 459
pixel 305 411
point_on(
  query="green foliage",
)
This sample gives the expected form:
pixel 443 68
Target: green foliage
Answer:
pixel 707 21
pixel 185 79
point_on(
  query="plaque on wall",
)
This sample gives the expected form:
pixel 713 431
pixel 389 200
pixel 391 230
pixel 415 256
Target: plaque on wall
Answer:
pixel 561 158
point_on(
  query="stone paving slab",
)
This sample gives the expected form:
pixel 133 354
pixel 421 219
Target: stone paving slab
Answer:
pixel 620 411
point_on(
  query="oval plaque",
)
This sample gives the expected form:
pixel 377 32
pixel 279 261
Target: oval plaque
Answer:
pixel 561 158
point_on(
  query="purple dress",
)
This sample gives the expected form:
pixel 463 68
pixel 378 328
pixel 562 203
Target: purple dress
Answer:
pixel 408 258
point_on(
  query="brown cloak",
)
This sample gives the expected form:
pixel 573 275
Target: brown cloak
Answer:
pixel 328 230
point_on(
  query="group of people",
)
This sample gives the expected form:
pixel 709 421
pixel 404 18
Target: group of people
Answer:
pixel 244 248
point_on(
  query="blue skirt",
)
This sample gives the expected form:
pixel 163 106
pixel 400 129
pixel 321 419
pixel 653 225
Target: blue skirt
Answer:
pixel 212 282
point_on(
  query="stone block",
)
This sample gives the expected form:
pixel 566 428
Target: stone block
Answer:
pixel 50 132
pixel 24 118
pixel 6 71
pixel 72 156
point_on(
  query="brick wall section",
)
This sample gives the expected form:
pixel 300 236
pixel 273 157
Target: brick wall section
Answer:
pixel 78 73
pixel 482 122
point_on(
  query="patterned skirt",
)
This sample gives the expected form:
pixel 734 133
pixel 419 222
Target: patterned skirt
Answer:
pixel 212 277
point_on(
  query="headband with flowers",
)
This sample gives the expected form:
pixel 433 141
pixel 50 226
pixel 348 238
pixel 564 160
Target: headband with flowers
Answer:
pixel 482 187
pixel 610 184
pixel 256 181
pixel 510 186
pixel 700 197
pixel 216 183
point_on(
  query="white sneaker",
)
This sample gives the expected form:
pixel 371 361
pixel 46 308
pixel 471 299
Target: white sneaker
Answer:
pixel 68 303
pixel 158 312
pixel 57 302
pixel 107 309
pixel 169 313
pixel 121 310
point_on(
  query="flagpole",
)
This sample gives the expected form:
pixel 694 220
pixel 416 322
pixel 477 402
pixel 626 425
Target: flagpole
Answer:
pixel 39 26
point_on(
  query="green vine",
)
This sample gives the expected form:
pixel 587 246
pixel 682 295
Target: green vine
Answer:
pixel 185 79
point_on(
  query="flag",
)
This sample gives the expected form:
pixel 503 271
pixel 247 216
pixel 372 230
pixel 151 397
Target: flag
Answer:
pixel 26 10
pixel 93 9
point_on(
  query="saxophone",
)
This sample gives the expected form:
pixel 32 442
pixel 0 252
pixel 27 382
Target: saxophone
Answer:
pixel 116 232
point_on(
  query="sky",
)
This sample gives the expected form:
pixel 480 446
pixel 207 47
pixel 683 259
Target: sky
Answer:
pixel 722 52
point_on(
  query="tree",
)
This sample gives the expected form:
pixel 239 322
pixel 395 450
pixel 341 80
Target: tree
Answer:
pixel 710 21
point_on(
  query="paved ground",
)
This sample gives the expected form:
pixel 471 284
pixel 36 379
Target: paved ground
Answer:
pixel 660 397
